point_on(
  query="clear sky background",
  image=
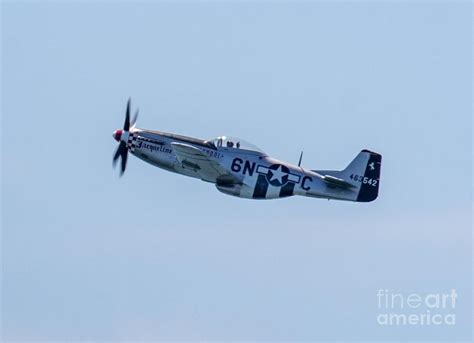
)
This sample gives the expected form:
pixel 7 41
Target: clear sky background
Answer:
pixel 87 255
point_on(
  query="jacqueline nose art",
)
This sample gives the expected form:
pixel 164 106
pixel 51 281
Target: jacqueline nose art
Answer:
pixel 117 134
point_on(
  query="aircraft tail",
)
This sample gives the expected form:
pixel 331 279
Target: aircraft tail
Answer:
pixel 362 175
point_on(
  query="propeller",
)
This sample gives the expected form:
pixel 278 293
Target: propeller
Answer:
pixel 134 120
pixel 122 150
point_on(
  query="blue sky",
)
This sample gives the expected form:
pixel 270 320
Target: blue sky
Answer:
pixel 87 255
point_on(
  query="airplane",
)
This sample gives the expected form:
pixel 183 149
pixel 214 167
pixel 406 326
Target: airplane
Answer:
pixel 242 170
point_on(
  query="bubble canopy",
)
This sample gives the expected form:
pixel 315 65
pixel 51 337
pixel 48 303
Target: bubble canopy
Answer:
pixel 234 143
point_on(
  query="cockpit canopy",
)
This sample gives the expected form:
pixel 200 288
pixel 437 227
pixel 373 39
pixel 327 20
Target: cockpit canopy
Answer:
pixel 234 143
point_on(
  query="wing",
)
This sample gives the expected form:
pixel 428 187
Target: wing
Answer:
pixel 192 158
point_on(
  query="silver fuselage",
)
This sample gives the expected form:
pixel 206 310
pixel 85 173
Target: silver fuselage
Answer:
pixel 261 176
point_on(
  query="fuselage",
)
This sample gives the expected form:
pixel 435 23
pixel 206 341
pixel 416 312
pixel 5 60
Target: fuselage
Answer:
pixel 260 176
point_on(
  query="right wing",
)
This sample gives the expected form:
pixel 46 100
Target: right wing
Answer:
pixel 207 169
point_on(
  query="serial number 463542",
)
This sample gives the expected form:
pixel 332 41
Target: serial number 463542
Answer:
pixel 364 180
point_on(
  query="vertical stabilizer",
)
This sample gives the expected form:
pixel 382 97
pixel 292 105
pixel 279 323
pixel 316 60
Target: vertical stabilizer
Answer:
pixel 364 172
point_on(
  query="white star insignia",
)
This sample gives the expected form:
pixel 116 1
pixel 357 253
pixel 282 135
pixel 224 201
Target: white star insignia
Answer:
pixel 277 175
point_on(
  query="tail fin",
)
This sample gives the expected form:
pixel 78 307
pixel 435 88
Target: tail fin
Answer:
pixel 363 174
pixel 364 171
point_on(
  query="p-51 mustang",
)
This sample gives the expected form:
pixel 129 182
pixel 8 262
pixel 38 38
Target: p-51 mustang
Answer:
pixel 240 169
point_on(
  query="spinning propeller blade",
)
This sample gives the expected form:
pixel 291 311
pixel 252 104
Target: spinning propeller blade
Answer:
pixel 134 120
pixel 122 150
pixel 126 125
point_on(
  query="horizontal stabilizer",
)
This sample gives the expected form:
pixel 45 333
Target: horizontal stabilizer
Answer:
pixel 337 182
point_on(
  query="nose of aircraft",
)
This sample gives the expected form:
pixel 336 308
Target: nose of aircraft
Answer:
pixel 117 134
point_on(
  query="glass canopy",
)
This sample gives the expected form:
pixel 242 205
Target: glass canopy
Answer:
pixel 234 143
